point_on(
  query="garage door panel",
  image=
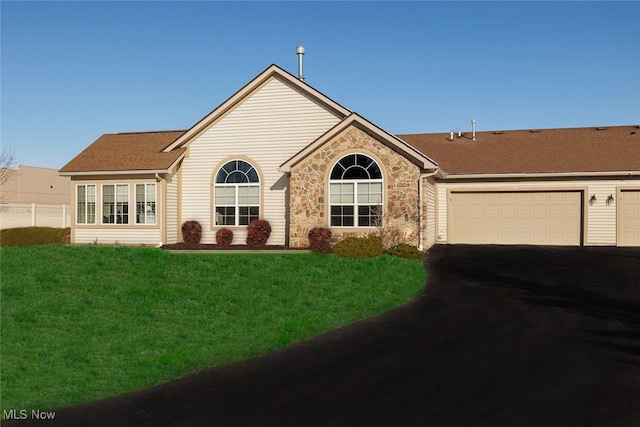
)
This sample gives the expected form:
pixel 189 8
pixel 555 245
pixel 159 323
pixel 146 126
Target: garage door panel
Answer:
pixel 629 218
pixel 553 218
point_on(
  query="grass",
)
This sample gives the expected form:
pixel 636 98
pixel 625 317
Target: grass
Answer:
pixel 29 236
pixel 81 323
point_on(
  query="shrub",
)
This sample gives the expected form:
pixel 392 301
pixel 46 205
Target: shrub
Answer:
pixel 360 247
pixel 404 250
pixel 319 239
pixel 191 232
pixel 258 232
pixel 224 237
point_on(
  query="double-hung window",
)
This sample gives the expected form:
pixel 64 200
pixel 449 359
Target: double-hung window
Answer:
pixel 86 204
pixel 146 203
pixel 355 192
pixel 115 204
pixel 236 194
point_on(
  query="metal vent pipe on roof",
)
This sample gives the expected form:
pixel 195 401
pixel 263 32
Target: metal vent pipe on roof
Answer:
pixel 473 129
pixel 300 52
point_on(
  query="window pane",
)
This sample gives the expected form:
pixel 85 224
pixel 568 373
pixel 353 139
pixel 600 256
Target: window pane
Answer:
pixel 248 214
pixel 335 193
pixel 355 172
pixel 151 193
pixel 225 195
pixel 225 216
pixel 342 216
pixel 140 193
pixel 81 213
pixel 346 191
pixel 236 177
pixel 108 204
pixel 363 193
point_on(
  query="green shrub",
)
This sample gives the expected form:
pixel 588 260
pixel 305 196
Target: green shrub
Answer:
pixel 319 239
pixel 258 232
pixel 191 232
pixel 359 247
pixel 224 237
pixel 31 236
pixel 404 250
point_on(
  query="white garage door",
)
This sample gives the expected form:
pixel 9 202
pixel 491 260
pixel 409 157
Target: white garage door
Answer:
pixel 538 217
pixel 629 218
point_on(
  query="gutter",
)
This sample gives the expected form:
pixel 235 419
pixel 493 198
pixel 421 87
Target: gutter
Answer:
pixel 124 172
pixel 541 175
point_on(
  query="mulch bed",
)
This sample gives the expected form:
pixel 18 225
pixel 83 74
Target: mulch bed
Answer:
pixel 213 247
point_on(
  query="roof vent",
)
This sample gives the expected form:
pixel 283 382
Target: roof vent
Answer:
pixel 473 129
pixel 534 131
pixel 601 128
pixel 497 132
pixel 300 52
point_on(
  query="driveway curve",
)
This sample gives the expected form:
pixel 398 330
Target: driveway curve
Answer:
pixel 500 336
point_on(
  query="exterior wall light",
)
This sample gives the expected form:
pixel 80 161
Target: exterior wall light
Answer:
pixel 592 200
pixel 610 200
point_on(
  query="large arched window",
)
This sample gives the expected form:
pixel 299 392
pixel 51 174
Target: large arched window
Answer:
pixel 355 192
pixel 236 194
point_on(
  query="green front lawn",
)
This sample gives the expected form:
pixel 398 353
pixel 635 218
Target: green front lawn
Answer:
pixel 81 323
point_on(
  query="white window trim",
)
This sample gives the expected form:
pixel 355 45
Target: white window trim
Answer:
pixel 135 202
pixel 86 210
pixel 115 194
pixel 237 205
pixel 355 203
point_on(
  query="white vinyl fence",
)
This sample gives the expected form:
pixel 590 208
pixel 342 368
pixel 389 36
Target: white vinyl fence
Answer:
pixel 16 215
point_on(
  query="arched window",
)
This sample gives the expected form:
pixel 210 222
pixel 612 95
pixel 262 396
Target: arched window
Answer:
pixel 236 194
pixel 355 192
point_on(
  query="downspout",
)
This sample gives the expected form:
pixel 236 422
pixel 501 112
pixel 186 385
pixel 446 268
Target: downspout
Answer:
pixel 420 203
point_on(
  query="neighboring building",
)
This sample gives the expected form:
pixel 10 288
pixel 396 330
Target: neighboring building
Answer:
pixel 33 196
pixel 280 150
pixel 29 184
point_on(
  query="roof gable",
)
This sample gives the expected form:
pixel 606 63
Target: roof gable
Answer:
pixel 259 81
pixel 381 135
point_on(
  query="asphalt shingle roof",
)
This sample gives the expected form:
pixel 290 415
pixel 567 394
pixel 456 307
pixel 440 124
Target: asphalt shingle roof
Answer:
pixel 126 152
pixel 606 149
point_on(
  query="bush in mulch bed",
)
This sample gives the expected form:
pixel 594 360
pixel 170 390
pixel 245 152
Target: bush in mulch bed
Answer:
pixel 359 247
pixel 224 237
pixel 258 232
pixel 191 232
pixel 319 239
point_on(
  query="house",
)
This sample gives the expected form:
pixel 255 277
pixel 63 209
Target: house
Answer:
pixel 280 150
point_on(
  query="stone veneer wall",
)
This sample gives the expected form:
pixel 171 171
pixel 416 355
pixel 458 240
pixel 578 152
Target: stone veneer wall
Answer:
pixel 309 188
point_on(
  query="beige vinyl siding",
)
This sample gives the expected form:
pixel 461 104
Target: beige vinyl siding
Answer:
pixel 171 217
pixel 431 212
pixel 600 224
pixel 270 126
pixel 118 236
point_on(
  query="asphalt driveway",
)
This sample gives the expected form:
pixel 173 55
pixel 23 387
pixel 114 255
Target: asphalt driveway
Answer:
pixel 500 336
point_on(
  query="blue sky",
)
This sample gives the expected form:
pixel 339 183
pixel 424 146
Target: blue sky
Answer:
pixel 72 71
